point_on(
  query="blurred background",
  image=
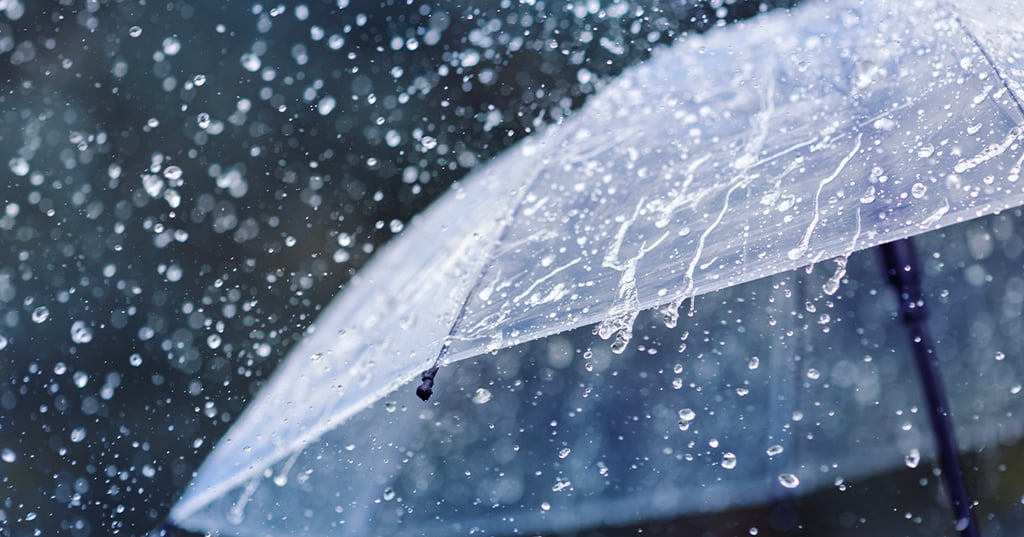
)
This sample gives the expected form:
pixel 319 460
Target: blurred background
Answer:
pixel 187 183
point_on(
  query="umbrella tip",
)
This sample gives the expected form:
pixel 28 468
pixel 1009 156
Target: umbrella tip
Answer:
pixel 426 389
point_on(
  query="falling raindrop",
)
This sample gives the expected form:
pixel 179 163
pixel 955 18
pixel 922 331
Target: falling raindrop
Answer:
pixel 913 458
pixel 481 396
pixel 80 332
pixel 40 314
pixel 789 481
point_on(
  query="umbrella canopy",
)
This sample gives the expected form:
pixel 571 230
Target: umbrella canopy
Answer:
pixel 747 153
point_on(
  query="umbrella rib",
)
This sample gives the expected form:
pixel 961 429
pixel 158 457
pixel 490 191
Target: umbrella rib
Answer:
pixel 426 388
pixel 988 59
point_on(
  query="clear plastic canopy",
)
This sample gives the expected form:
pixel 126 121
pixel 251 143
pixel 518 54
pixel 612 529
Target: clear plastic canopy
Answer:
pixel 757 149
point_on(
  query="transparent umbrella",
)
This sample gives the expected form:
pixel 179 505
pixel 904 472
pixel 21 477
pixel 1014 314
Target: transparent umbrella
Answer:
pixel 719 166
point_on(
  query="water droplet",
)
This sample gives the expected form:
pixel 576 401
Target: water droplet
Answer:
pixel 326 105
pixel 545 506
pixel 753 363
pixel 213 341
pixel 3 342
pixel 78 434
pixel 199 79
pixel 774 449
pixel 19 166
pixel 390 406
pixel 428 142
pixel 389 494
pixel 80 332
pixel 677 369
pixel 913 458
pixel 134 31
pixel 687 415
pixel 203 120
pixel 561 484
pixel 135 360
pixel 813 374
pixel 918 190
pixel 482 396
pixel 251 62
pixel 1000 356
pixel 8 455
pixel 281 480
pixel 926 151
pixel 728 460
pixel 40 314
pixel 173 173
pixel 564 452
pixel 677 383
pixel 742 391
pixel 789 481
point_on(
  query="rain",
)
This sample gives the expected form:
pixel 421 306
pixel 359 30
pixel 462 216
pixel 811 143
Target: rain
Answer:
pixel 190 185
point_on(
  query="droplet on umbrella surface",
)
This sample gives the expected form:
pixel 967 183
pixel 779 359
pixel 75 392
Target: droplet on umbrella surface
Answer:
pixel 40 314
pixel 753 363
pixel 203 120
pixel 728 460
pixel 813 374
pixel 926 151
pixel 80 332
pixel 789 481
pixel 135 31
pixel 389 494
pixel 545 506
pixel 135 360
pixel 913 458
pixel 213 341
pixel 481 396
pixel 199 79
pixel 564 452
pixel 918 190
pixel 774 450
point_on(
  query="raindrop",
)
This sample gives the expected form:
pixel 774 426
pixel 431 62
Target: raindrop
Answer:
pixel 789 481
pixel 564 452
pixel 913 458
pixel 135 360
pixel 545 506
pixel 389 494
pixel 677 369
pixel 677 383
pixel 813 374
pixel 832 285
pixel 78 434
pixel 251 62
pixel 213 341
pixel 687 415
pixel 481 396
pixel 8 455
pixel 40 314
pixel 561 484
pixel 728 460
pixel 135 31
pixel 926 151
pixel 774 450
pixel 390 406
pixel 3 342
pixel 19 166
pixel 203 120
pixel 326 105
pixel 429 142
pixel 173 173
pixel 918 190
pixel 753 363
pixel 80 332
pixel 199 79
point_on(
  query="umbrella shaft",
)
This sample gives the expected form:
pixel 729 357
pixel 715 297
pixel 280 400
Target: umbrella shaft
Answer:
pixel 904 274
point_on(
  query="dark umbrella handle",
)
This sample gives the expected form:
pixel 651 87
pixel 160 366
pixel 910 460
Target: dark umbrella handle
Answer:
pixel 904 272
